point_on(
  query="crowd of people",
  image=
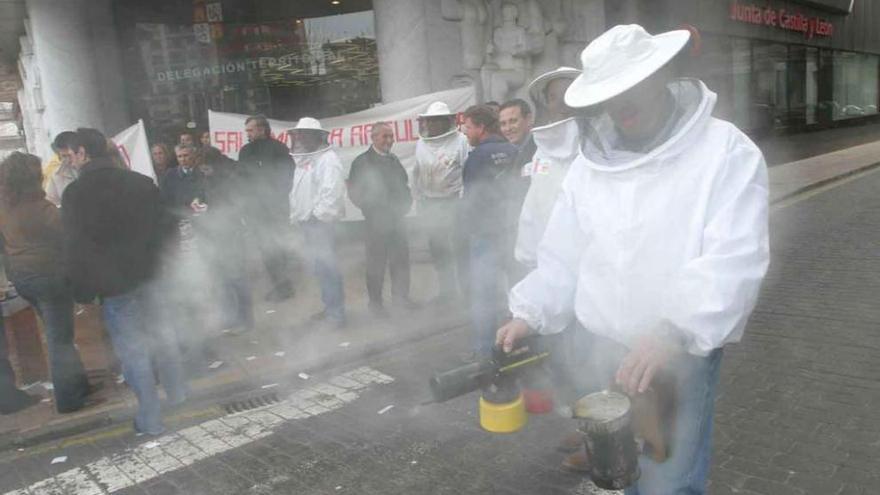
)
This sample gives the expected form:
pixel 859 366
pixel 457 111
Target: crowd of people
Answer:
pixel 167 261
pixel 613 209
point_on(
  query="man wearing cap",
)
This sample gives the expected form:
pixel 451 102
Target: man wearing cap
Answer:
pixel 440 154
pixel 317 202
pixel 267 175
pixel 657 244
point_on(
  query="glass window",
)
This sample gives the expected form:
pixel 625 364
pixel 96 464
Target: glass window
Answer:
pixel 319 65
pixel 855 85
pixel 769 106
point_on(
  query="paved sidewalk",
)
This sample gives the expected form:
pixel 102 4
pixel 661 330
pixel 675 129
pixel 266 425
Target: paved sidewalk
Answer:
pixel 287 344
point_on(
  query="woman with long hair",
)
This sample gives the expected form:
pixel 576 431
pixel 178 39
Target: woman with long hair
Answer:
pixel 30 227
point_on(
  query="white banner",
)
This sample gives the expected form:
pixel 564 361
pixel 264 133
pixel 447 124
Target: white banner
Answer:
pixel 135 149
pixel 349 134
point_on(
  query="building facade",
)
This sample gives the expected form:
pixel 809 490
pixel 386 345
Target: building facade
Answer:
pixel 777 65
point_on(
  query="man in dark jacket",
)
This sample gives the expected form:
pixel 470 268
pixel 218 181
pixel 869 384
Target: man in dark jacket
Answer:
pixel 113 231
pixel 267 172
pixel 378 185
pixel 183 184
pixel 487 175
pixel 515 119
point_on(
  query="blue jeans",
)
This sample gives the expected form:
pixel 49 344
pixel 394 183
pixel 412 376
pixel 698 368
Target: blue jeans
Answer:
pixel 134 342
pixel 321 241
pixel 51 298
pixel 485 274
pixel 594 361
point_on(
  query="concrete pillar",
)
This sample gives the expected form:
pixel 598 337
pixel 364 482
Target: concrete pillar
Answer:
pixel 77 56
pixel 402 43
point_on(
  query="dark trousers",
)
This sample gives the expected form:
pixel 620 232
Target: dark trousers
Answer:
pixel 387 247
pixel 7 376
pixel 11 398
pixel 269 235
pixel 227 266
pixel 51 297
pixel 485 294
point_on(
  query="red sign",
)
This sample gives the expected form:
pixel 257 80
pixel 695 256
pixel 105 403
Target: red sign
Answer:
pixel 782 19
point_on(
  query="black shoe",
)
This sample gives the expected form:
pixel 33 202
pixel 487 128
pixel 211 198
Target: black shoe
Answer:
pixel 407 304
pixel 281 293
pixel 443 300
pixel 378 311
pixel 17 401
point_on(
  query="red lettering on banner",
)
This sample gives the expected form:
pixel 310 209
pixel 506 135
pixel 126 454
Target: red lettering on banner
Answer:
pixel 335 136
pixel 782 19
pixel 282 136
pixel 233 140
pixel 408 129
pixel 124 153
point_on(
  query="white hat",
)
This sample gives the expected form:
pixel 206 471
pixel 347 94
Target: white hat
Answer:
pixel 437 109
pixel 619 59
pixel 308 123
pixel 536 87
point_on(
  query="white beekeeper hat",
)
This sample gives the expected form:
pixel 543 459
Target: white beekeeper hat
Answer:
pixel 537 87
pixel 437 109
pixel 619 59
pixel 308 124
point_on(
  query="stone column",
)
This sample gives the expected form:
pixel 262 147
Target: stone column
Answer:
pixel 402 43
pixel 77 56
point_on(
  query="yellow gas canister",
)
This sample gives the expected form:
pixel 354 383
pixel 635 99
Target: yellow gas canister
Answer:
pixel 503 418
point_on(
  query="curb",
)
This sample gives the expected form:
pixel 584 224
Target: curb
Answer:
pixel 824 182
pixel 244 385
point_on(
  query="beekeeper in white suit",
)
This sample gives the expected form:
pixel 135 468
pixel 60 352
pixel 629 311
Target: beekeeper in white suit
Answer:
pixel 317 202
pixel 437 183
pixel 557 147
pixel 657 244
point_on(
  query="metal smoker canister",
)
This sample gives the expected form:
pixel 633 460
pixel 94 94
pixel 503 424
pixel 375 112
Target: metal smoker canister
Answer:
pixel 611 447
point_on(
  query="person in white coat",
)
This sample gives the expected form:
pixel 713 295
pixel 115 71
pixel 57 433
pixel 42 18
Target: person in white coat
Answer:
pixel 317 202
pixel 556 141
pixel 437 184
pixel 657 244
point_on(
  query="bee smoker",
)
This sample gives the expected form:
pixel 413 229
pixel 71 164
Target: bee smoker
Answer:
pixel 606 424
pixel 502 408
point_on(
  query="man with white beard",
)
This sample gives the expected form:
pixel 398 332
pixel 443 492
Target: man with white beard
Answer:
pixel 657 245
pixel 317 202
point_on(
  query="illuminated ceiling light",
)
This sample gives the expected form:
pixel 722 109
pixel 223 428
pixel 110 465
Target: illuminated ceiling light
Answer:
pixel 335 2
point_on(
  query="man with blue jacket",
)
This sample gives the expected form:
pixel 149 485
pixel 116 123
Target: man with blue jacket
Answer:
pixel 487 176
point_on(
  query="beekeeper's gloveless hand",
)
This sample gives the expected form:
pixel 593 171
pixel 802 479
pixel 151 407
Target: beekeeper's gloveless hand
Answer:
pixel 510 333
pixel 651 354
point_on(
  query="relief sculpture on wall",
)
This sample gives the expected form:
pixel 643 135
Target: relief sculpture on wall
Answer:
pixel 507 43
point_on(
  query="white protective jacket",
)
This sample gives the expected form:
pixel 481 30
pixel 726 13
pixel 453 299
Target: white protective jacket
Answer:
pixel 318 187
pixel 439 162
pixel 671 241
pixel 557 147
